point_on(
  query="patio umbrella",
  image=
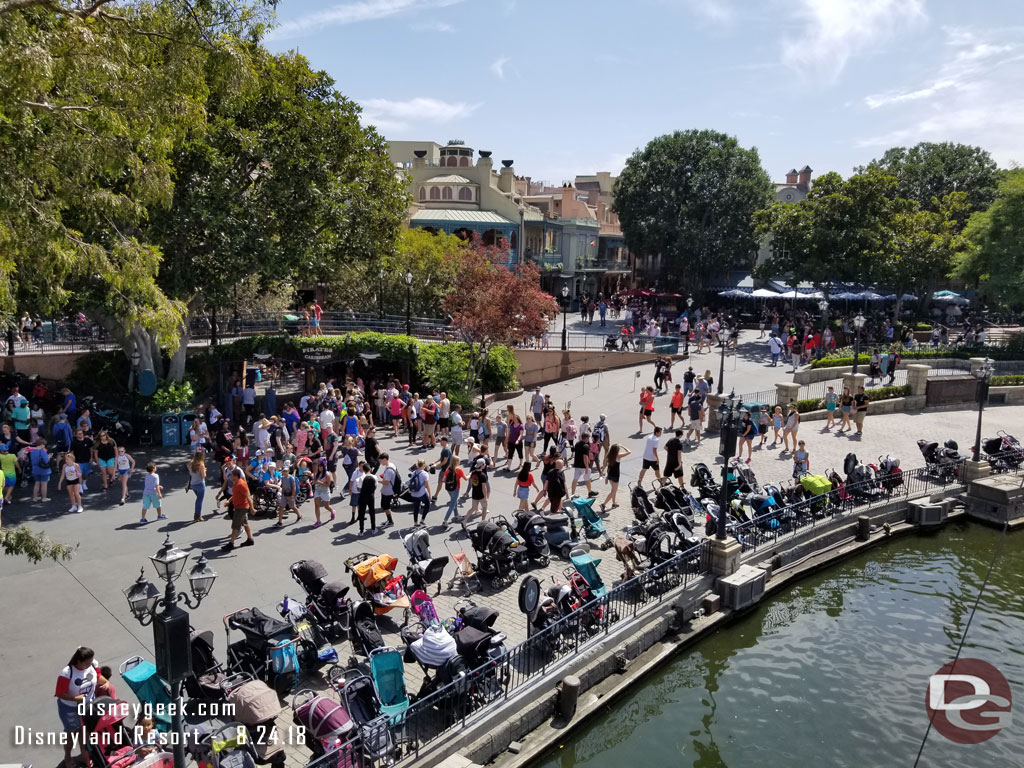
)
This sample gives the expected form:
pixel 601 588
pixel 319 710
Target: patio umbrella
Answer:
pixel 845 296
pixel 734 293
pixel 764 293
pixel 870 296
pixel 908 297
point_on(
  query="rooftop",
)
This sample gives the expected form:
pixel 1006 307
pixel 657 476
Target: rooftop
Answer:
pixel 456 214
pixel 450 179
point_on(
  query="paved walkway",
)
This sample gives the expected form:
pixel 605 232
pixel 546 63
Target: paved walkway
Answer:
pixel 51 608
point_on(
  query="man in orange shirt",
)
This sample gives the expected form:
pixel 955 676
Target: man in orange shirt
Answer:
pixel 677 406
pixel 240 503
pixel 646 407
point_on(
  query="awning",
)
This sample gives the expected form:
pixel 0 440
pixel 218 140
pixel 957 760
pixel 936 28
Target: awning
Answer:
pixel 764 293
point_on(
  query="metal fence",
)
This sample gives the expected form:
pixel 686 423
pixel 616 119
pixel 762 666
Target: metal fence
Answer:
pixel 663 345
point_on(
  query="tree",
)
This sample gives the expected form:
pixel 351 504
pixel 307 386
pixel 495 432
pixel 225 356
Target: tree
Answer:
pixel 492 305
pixel 690 197
pixel 842 231
pixel 996 260
pixel 928 171
pixel 36 547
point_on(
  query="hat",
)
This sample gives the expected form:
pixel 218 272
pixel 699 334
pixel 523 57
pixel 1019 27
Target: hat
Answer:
pixel 62 417
pixel 470 441
pixel 259 453
pixel 264 423
pixel 4 447
pixel 229 457
pixel 287 465
pixel 405 386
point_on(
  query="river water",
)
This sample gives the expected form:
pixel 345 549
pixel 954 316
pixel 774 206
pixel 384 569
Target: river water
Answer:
pixel 831 672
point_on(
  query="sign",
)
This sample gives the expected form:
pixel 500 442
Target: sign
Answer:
pixel 318 355
pixel 968 701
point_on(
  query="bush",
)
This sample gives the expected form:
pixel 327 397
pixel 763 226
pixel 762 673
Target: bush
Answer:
pixel 1006 381
pixel 922 326
pixel 881 393
pixel 171 396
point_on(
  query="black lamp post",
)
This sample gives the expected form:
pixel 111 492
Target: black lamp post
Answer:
pixel 858 326
pixel 380 294
pixel 565 313
pixel 726 449
pixel 686 343
pixel 134 386
pixel 721 367
pixel 984 374
pixel 823 306
pixel 171 625
pixel 408 303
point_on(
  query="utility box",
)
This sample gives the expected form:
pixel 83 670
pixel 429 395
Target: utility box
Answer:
pixel 996 499
pixel 743 588
pixel 170 429
pixel 924 512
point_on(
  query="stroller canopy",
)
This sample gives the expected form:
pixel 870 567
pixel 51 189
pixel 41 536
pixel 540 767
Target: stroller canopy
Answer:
pixel 254 702
pixel 417 545
pixel 434 648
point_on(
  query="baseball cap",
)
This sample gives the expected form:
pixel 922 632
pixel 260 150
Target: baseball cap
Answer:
pixel 259 453
pixel 287 465
pixel 62 417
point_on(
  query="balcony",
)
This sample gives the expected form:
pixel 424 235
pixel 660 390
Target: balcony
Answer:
pixel 602 265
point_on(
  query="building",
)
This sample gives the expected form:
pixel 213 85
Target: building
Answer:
pixel 792 190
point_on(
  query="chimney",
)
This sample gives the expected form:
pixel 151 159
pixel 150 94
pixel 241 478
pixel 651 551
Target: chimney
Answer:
pixel 506 176
pixel 418 160
pixel 791 177
pixel 485 163
pixel 804 182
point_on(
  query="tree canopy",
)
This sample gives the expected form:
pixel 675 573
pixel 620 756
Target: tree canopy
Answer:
pixel 996 261
pixel 690 197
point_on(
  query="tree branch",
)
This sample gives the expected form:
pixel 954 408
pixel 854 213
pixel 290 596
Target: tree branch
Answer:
pixel 8 6
pixel 42 105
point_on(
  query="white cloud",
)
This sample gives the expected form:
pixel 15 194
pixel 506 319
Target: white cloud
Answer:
pixel 833 31
pixel 389 115
pixel 353 13
pixel 974 96
pixel 716 11
pixel 435 26
pixel 498 67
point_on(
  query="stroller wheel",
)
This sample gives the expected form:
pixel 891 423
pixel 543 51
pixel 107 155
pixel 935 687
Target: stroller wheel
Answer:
pixel 497 583
pixel 543 561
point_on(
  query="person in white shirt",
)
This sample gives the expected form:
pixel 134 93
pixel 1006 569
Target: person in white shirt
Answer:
pixel 215 415
pixel 326 419
pixel 388 474
pixel 444 414
pixel 304 403
pixel 262 435
pixel 651 456
pixel 775 346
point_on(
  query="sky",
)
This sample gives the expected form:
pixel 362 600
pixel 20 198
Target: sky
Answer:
pixel 567 87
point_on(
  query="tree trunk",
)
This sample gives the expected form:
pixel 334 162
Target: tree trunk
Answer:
pixel 176 369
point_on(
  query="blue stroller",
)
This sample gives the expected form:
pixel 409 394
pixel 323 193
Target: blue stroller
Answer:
pixel 388 673
pixel 585 565
pixel 593 525
pixel 149 688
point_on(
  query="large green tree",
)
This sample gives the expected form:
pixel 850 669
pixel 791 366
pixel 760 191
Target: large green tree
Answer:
pixel 996 261
pixel 929 171
pixel 690 197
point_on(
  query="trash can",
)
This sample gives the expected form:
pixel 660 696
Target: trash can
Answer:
pixel 170 429
pixel 186 424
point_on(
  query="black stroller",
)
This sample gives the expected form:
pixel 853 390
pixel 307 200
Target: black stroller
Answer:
pixel 267 650
pixel 207 673
pixel 424 570
pixel 941 463
pixel 314 647
pixel 640 500
pixel 611 344
pixel 494 548
pixel 326 600
pixel 534 532
pixel 703 480
pixel 364 634
pixel 480 644
pixel 861 484
pixel 359 697
pixel 1003 452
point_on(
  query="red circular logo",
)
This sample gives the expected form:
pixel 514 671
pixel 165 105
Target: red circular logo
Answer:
pixel 968 701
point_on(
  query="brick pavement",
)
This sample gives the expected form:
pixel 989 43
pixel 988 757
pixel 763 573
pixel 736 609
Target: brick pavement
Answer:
pixel 55 607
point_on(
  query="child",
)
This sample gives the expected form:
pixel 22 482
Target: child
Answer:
pixel 801 460
pixel 763 423
pixel 830 401
pixel 145 734
pixel 124 465
pixel 107 689
pixel 152 492
pixel 40 471
pixel 71 475
pixel 776 424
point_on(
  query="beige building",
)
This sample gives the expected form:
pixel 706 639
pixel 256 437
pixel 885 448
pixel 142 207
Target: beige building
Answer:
pixel 792 190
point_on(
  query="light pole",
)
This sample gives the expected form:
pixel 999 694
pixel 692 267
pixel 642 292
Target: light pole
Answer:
pixel 721 368
pixel 686 347
pixel 134 386
pixel 408 303
pixel 726 449
pixel 380 294
pixel 565 313
pixel 858 326
pixel 823 306
pixel 984 374
pixel 171 626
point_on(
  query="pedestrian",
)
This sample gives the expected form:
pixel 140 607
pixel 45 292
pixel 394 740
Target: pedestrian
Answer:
pixel 775 347
pixel 763 425
pixel 288 497
pixel 152 493
pixel 612 471
pixel 77 685
pixel 792 426
pixel 536 404
pixel 551 425
pixel 455 430
pixel 860 401
pixel 478 488
pixel 390 484
pixel 601 434
pixel 197 482
pixel 830 401
pixel 501 435
pixel 846 409
pixel 9 467
pixel 646 407
pixel 82 447
pixel 676 405
pixel 688 380
pixel 240 506
pixel 530 431
pixel 777 419
pixel 419 493
pixel 515 441
pixel 801 460
pixel 568 427
pixel 323 481
pixel 893 362
pixel 429 415
pixel 366 489
pixel 353 492
pixel 451 479
pixel 555 486
pixel 650 458
pixel 581 465
pixel 524 482
pixel 40 462
pixel 748 431
pixel 674 457
pixel 695 412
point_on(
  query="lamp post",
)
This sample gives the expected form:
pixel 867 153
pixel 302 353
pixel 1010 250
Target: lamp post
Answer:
pixel 721 367
pixel 984 374
pixel 171 625
pixel 408 303
pixel 380 294
pixel 858 326
pixel 565 313
pixel 823 306
pixel 686 343
pixel 134 384
pixel 726 449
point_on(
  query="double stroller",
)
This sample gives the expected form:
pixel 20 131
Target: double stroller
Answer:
pixel 255 705
pixel 358 694
pixel 374 578
pixel 495 549
pixel 424 569
pixel 326 600
pixel 703 480
pixel 533 530
pixel 941 463
pixel 861 484
pixel 890 476
pixel 1003 452
pixel 267 651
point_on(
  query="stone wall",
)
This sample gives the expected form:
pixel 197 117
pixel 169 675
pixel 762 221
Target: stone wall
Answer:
pixel 543 366
pixel 807 375
pixel 53 366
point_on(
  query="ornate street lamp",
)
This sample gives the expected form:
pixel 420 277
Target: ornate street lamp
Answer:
pixel 858 325
pixel 408 303
pixel 726 449
pixel 686 343
pixel 171 625
pixel 565 312
pixel 984 375
pixel 721 368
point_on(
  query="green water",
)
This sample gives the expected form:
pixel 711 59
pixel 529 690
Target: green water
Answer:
pixel 833 671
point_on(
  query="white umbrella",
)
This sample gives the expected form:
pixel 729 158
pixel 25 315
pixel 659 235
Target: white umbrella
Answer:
pixel 764 293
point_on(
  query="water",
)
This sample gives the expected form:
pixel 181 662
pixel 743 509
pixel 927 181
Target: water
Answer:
pixel 833 671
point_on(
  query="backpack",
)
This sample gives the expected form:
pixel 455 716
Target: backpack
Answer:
pixel 451 479
pixel 415 481
pixel 600 431
pixel 396 484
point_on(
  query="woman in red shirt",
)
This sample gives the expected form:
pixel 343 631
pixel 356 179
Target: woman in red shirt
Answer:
pixel 524 482
pixel 646 407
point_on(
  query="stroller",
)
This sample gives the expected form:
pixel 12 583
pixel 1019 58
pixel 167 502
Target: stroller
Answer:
pixel 256 706
pixel 611 344
pixel 374 579
pixel 465 571
pixel 585 565
pixel 561 533
pixel 364 635
pixel 741 478
pixel 482 646
pixel 207 674
pixel 314 649
pixel 532 529
pixel 941 463
pixel 359 696
pixel 109 739
pixel 388 676
pixel 861 484
pixel 702 479
pixel 267 650
pixel 434 649
pixel 593 525
pixel 817 487
pixel 326 600
pixel 424 570
pixel 640 501
pixel 1003 452
pixel 494 548
pixel 325 720
pixel 889 473
pixel 149 688
pixel 671 498
pixel 229 746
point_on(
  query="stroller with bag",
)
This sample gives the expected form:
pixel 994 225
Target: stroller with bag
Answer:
pixel 326 600
pixel 326 721
pixel 481 645
pixel 889 473
pixel 388 674
pixel 532 529
pixel 207 673
pixel 861 484
pixel 424 570
pixel 1003 452
pixel 703 480
pixel 495 558
pixel 941 463
pixel 640 501
pixel 314 649
pixel 256 706
pixel 359 696
pixel 267 650
pixel 365 636
pixel 374 579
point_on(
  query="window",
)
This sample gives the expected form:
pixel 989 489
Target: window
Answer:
pixel 464 161
pixel 466 194
pixel 446 193
pixel 435 193
pixel 423 193
pixel 453 160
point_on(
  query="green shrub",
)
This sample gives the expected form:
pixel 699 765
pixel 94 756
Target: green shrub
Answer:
pixel 171 396
pixel 101 372
pixel 500 371
pixel 881 393
pixel 1007 381
pixel 922 326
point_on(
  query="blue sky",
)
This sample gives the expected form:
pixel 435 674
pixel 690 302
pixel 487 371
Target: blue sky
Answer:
pixel 575 86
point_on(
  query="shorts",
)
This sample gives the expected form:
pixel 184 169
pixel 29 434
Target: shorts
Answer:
pixel 386 500
pixel 10 481
pixel 85 469
pixel 648 464
pixel 323 493
pixel 456 435
pixel 858 418
pixel 428 429
pixel 646 411
pixel 124 472
pixel 286 502
pixel 106 463
pixel 581 473
pixel 830 406
pixel 150 500
pixel 695 424
pixel 674 472
pixel 443 422
pixel 847 409
pixel 239 518
pixel 41 477
pixel 523 492
pixel 69 718
pixel 677 411
pixel 354 500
